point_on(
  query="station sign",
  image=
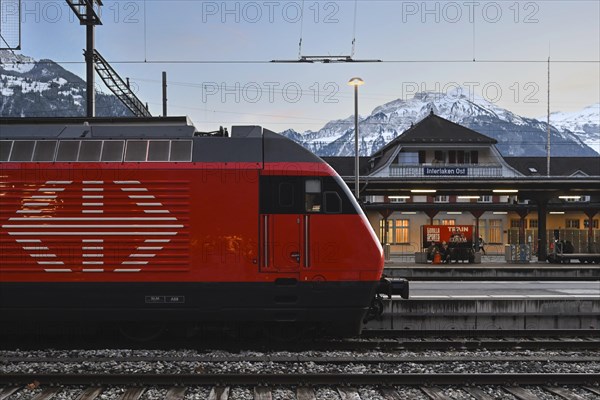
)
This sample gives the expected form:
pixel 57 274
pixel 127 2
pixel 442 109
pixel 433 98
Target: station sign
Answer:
pixel 445 171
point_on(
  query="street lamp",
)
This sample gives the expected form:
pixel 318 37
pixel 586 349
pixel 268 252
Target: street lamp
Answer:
pixel 356 82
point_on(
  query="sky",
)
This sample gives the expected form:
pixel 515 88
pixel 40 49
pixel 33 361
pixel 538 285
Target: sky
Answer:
pixel 217 54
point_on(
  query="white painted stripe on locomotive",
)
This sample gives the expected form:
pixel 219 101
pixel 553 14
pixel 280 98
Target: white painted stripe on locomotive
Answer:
pixel 45 197
pixel 29 211
pixel 133 196
pixel 58 182
pixel 92 270
pixel 51 190
pixel 127 270
pixel 149 204
pixel 157 211
pixel 134 189
pixel 127 182
pixel 149 248
pixel 35 204
pixel 92 211
pixel 51 262
pixel 93 262
pixel 93 189
pixel 89 255
pixel 49 255
pixel 58 270
pixel 29 241
pixel 92 197
pixel 157 240
pixel 142 255
pixel 92 240
pixel 135 262
pixel 92 248
pixel 35 248
pixel 93 182
pixel 92 204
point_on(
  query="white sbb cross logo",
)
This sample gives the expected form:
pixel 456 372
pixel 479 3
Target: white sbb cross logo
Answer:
pixel 37 226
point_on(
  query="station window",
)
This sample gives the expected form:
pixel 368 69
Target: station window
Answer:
pixel 113 150
pixel 514 223
pixel 332 203
pixel 485 199
pixel 533 224
pixel 68 150
pixel 5 146
pixel 572 223
pixel 158 150
pixel 44 150
pixel 90 150
pixel 495 231
pixel 22 150
pixel 440 199
pixel 397 231
pixel 312 195
pixel 586 223
pixel 444 222
pixel 136 150
pixel 181 150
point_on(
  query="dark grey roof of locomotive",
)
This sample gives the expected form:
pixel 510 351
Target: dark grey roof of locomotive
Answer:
pixel 246 144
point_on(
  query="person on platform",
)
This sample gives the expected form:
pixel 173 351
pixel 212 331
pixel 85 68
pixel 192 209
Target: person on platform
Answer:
pixel 481 244
pixel 445 253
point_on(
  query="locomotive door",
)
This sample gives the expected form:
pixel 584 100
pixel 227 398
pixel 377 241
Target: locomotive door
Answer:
pixel 282 242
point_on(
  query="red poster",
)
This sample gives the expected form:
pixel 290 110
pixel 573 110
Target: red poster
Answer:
pixel 454 235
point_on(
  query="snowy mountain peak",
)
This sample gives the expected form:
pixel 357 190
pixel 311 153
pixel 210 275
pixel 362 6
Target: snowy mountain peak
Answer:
pixel 18 63
pixel 516 135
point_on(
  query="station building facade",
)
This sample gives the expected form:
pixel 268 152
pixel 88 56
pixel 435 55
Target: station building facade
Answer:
pixel 435 153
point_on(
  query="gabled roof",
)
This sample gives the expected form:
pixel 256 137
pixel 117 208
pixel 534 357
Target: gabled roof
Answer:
pixel 437 130
pixel 430 130
pixel 559 166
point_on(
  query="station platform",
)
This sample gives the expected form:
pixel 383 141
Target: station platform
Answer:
pixel 492 267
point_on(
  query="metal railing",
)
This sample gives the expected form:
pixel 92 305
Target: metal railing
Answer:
pixel 446 170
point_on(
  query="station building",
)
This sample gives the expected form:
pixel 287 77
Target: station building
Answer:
pixel 439 172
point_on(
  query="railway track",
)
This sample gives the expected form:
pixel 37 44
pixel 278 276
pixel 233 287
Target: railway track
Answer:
pixel 305 387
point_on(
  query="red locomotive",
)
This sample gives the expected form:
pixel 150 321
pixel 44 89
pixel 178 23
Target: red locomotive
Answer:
pixel 139 220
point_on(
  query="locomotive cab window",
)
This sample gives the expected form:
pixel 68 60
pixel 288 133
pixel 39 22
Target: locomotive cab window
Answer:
pixel 5 146
pixel 44 150
pixel 332 203
pixel 286 195
pixel 312 196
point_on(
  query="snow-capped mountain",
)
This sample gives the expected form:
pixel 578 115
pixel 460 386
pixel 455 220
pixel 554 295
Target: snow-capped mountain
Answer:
pixel 516 135
pixel 30 88
pixel 584 123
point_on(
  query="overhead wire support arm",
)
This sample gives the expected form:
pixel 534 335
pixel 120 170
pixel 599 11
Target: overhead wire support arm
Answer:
pixel 84 10
pixel 119 87
pixel 325 60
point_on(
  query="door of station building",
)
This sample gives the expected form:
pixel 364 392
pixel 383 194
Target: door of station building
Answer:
pixel 282 245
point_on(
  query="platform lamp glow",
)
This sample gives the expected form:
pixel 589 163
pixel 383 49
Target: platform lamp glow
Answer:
pixel 356 82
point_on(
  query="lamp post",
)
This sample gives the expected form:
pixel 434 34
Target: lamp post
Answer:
pixel 356 82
